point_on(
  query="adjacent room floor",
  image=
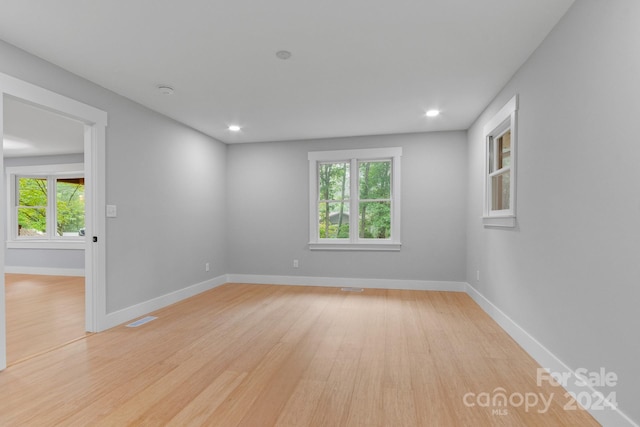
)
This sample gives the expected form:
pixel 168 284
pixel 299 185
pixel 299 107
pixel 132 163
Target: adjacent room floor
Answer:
pixel 43 312
pixel 258 355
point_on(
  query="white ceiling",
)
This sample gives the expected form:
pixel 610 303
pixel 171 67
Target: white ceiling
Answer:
pixel 359 67
pixel 32 131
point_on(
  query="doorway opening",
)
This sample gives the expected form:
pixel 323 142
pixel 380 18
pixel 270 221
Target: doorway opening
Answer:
pixel 47 225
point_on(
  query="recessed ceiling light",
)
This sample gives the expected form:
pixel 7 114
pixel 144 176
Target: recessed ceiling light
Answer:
pixel 234 128
pixel 165 90
pixel 283 54
pixel 433 113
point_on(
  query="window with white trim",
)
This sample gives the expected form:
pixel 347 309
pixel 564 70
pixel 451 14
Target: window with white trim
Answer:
pixel 500 167
pixel 354 200
pixel 45 205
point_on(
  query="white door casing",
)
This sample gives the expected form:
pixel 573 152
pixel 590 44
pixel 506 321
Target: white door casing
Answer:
pixel 95 122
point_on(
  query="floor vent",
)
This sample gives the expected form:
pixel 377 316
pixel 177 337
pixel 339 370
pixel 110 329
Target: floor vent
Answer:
pixel 352 289
pixel 141 321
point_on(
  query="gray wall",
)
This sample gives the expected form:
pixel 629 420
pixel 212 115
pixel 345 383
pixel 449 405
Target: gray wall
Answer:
pixel 268 210
pixel 24 259
pixel 43 258
pixel 167 180
pixel 568 274
pixel 43 160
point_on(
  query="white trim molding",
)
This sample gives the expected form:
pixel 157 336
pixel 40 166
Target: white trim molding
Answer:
pixel 77 245
pixel 339 282
pixel 352 158
pixel 504 221
pixel 50 240
pixel 126 314
pixel 52 101
pixel 346 246
pixel 505 121
pixel 95 122
pixel 45 271
pixel 609 416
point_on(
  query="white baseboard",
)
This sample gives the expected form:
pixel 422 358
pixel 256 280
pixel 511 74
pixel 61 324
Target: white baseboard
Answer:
pixel 609 416
pixel 412 285
pixel 126 314
pixel 45 271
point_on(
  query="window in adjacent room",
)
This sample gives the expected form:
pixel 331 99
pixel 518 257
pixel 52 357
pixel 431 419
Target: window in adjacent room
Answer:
pixel 46 204
pixel 500 167
pixel 355 199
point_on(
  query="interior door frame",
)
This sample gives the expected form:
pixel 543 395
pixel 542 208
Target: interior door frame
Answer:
pixel 95 123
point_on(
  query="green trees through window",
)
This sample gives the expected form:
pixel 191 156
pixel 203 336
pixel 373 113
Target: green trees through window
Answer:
pixel 35 212
pixel 69 206
pixel 32 206
pixel 373 199
pixel 333 206
pixel 374 214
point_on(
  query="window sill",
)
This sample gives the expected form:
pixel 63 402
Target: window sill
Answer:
pixel 45 244
pixel 390 247
pixel 504 221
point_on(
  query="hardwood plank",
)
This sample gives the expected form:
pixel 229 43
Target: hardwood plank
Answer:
pixel 307 334
pixel 42 312
pixel 302 404
pixel 257 355
pixel 333 406
pixel 243 397
pixel 197 411
pixel 399 407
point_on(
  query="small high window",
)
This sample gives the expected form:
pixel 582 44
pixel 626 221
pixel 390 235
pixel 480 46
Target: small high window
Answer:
pixel 500 167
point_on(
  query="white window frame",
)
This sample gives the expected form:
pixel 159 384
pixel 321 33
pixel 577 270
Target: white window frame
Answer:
pixel 51 240
pixel 506 119
pixel 354 242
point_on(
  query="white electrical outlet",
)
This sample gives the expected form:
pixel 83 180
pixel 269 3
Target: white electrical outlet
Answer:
pixel 295 263
pixel 206 267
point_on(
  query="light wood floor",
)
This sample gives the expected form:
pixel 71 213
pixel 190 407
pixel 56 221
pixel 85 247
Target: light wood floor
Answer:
pixel 43 312
pixel 255 355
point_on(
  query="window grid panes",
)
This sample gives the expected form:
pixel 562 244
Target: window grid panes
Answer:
pixel 374 205
pixel 500 168
pixel 355 199
pixel 500 191
pixel 69 206
pixel 334 183
pixel 31 210
pixel 48 207
pixel 500 171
